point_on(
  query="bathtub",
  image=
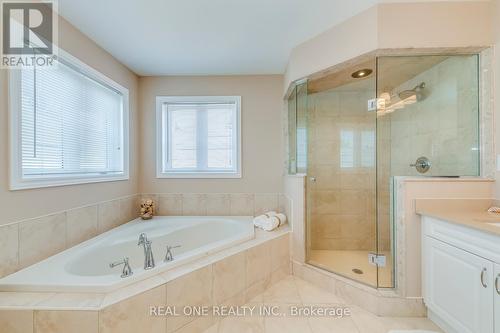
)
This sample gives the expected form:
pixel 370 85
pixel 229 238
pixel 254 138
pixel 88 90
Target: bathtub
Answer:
pixel 85 267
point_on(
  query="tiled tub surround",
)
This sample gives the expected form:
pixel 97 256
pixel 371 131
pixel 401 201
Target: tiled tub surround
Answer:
pixel 26 242
pixel 230 277
pixel 221 204
pixel 85 267
pixel 29 241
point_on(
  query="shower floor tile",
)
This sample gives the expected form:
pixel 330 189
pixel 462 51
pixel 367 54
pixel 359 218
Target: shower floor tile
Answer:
pixel 344 262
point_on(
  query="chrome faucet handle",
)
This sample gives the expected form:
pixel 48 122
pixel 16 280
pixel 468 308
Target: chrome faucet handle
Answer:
pixel 143 238
pixel 169 256
pixel 127 271
pixel 422 164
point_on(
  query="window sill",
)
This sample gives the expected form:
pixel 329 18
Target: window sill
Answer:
pixel 198 175
pixel 43 183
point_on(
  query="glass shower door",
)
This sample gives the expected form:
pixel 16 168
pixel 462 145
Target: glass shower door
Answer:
pixel 297 129
pixel 341 169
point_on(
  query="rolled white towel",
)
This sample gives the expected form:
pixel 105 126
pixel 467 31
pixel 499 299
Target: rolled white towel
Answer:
pixel 271 223
pixel 280 216
pixel 266 222
pixel 264 216
pixel 259 220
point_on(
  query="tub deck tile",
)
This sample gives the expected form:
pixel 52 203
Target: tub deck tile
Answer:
pixel 13 300
pixel 72 301
pixel 132 290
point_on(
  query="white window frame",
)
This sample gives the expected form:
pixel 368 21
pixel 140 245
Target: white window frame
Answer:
pixel 160 101
pixel 17 181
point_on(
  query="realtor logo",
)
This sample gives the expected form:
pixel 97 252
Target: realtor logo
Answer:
pixel 28 33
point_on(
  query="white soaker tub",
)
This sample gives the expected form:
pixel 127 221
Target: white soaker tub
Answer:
pixel 85 267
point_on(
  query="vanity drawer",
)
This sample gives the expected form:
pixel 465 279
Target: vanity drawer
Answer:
pixel 478 242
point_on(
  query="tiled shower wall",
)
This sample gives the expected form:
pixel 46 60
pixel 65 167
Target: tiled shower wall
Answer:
pixel 29 241
pixel 443 126
pixel 342 159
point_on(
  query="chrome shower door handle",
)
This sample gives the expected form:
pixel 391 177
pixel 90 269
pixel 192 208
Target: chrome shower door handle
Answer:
pixel 483 273
pixel 422 164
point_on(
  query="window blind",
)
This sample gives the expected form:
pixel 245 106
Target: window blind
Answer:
pixel 71 124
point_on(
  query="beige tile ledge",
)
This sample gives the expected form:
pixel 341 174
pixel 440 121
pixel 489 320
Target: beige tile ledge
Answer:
pixel 301 269
pixel 472 213
pixel 97 203
pixel 382 302
pixel 97 301
pixel 21 300
pixel 444 179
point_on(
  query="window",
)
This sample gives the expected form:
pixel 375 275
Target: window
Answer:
pixel 69 125
pixel 198 137
pixel 346 148
pixel 357 148
pixel 301 149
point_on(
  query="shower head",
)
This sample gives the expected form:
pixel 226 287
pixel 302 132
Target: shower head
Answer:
pixel 416 92
pixel 403 98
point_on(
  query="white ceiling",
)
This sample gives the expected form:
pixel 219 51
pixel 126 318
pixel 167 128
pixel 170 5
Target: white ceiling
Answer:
pixel 205 37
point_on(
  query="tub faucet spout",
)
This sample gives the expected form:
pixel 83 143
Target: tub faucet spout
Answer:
pixel 149 261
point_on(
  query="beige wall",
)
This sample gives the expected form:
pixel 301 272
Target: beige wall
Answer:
pixel 434 24
pixel 261 136
pixel 353 37
pixel 393 25
pixel 16 205
pixel 262 146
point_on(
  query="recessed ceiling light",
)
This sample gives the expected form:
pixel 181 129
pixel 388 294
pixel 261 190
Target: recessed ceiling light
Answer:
pixel 361 73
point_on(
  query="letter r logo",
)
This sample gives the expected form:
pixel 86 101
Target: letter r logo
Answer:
pixel 27 28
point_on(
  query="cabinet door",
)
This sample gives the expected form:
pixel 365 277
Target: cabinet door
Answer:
pixel 459 287
pixel 497 298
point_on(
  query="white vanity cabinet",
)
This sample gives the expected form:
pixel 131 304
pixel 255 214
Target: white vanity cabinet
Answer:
pixel 496 306
pixel 460 266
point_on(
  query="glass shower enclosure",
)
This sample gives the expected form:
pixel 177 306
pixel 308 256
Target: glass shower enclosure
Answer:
pixel 354 130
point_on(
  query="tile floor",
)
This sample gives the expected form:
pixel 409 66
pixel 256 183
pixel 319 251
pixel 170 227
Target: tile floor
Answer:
pixel 343 262
pixel 293 291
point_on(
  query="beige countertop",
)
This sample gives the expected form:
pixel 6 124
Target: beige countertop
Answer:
pixel 472 213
